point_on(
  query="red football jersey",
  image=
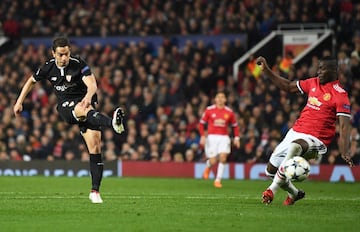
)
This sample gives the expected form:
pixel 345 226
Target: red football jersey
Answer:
pixel 324 104
pixel 218 120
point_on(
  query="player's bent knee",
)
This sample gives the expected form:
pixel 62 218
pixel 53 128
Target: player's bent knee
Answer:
pixel 267 173
pixel 270 170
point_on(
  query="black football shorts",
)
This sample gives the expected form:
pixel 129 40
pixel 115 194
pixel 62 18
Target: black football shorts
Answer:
pixel 66 112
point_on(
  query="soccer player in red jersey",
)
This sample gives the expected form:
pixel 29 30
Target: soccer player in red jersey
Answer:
pixel 216 140
pixel 314 129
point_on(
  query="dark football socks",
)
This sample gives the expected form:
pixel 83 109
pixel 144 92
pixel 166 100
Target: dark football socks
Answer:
pixel 98 119
pixel 96 170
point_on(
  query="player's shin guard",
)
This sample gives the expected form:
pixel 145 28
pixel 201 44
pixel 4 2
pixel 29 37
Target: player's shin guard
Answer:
pixel 96 170
pixel 220 171
pixel 289 187
pixel 268 174
pixel 278 181
pixel 295 149
pixel 98 119
pixel 208 163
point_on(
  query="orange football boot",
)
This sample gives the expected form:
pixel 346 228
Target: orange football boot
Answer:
pixel 217 184
pixel 206 173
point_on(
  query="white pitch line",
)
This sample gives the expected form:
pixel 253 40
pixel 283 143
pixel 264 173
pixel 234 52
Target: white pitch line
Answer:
pixel 199 197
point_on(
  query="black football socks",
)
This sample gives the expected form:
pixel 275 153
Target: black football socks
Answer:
pixel 96 170
pixel 98 119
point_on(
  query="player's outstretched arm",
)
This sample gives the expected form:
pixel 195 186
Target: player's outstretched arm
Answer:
pixel 29 84
pixel 279 81
pixel 91 85
pixel 344 139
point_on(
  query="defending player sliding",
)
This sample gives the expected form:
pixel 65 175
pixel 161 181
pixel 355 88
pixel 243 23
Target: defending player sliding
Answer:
pixel 314 129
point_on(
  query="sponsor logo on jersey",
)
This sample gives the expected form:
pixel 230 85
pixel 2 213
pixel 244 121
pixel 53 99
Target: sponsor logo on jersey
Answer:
pixel 314 101
pixel 62 88
pixel 219 122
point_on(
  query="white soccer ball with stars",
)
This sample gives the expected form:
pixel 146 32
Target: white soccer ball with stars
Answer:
pixel 297 168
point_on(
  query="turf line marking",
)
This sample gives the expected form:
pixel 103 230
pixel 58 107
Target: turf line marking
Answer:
pixel 199 197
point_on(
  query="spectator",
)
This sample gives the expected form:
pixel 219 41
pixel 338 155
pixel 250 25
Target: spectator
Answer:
pixel 178 157
pixel 189 155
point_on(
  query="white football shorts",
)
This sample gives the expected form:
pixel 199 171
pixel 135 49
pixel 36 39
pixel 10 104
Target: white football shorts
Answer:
pixel 216 144
pixel 316 147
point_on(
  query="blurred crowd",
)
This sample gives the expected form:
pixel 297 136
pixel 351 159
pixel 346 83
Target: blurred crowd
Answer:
pixel 165 92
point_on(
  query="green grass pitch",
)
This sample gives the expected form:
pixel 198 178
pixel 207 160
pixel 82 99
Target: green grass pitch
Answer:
pixel 160 204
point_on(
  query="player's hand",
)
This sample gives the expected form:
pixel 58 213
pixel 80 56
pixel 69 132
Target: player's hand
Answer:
pixel 85 102
pixel 202 141
pixel 261 61
pixel 18 108
pixel 237 142
pixel 348 160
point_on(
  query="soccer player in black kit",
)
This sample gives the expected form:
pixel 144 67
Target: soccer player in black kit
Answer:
pixel 75 87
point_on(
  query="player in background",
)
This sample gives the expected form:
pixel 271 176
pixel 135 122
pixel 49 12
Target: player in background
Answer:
pixel 216 140
pixel 75 88
pixel 314 129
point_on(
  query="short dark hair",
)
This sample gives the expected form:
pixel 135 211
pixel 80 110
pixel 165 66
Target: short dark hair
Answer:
pixel 221 92
pixel 330 62
pixel 60 41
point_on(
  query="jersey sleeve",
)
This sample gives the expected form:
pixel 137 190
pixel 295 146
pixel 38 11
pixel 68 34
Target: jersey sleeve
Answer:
pixel 84 68
pixel 42 72
pixel 234 125
pixel 202 123
pixel 204 117
pixel 343 105
pixel 305 85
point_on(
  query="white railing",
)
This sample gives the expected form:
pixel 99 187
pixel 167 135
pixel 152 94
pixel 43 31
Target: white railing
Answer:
pixel 286 29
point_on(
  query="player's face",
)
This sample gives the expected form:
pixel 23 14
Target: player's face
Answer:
pixel 325 73
pixel 220 99
pixel 62 56
pixel 322 71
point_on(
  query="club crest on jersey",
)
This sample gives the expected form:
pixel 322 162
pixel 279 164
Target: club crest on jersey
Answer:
pixel 68 78
pixel 327 96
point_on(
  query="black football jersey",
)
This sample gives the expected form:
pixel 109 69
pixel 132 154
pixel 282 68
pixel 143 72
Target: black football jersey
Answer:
pixel 67 81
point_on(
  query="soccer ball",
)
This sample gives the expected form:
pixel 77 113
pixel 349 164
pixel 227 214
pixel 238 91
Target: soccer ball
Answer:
pixel 297 168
